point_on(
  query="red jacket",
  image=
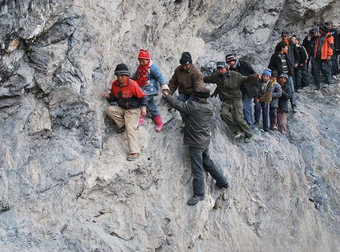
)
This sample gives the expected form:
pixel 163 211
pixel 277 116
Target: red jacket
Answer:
pixel 128 95
pixel 326 49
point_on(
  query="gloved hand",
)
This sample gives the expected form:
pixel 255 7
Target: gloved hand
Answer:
pixel 214 94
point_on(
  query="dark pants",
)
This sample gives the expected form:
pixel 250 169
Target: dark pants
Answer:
pixel 297 78
pixel 304 76
pixel 185 98
pixel 273 117
pixel 317 69
pixel 335 66
pixel 261 106
pixel 200 158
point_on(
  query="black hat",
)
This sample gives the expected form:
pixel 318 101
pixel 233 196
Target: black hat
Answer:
pixel 313 30
pixel 185 59
pixel 323 28
pixel 202 92
pixel 122 69
pixel 284 33
pixel 274 73
pixel 329 23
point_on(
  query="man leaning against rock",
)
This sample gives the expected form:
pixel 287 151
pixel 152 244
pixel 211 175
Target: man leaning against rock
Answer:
pixel 186 78
pixel 131 102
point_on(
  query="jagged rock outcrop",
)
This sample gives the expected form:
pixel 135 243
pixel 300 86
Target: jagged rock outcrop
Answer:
pixel 64 181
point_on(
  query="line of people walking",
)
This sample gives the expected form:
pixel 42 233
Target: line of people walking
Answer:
pixel 238 87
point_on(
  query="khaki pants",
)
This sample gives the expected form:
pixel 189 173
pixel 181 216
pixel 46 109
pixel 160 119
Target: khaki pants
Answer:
pixel 129 118
pixel 232 114
pixel 282 122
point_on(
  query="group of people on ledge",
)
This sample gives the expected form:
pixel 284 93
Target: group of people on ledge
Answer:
pixel 238 87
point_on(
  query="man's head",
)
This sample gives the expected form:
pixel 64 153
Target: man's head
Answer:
pixel 274 75
pixel 293 38
pixel 323 29
pixel 283 79
pixel 121 72
pixel 313 32
pixel 284 36
pixel 185 60
pixel 230 59
pixel 202 93
pixel 281 48
pixel 329 24
pixel 267 73
pixel 221 67
pixel 143 57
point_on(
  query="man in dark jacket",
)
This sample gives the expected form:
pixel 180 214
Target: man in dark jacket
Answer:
pixel 334 32
pixel 131 102
pixel 249 89
pixel 301 77
pixel 280 62
pixel 198 117
pixel 309 43
pixel 283 104
pixel 293 60
pixel 186 78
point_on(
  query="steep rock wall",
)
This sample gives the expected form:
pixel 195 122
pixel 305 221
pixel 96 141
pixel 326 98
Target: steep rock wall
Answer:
pixel 64 181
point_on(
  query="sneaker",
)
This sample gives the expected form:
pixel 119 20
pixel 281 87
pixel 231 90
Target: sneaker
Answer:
pixel 294 110
pixel 182 125
pixel 195 199
pixel 248 139
pixel 132 157
pixel 335 77
pixel 238 134
pixel 275 128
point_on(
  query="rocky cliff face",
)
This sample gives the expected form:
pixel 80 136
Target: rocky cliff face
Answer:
pixel 64 181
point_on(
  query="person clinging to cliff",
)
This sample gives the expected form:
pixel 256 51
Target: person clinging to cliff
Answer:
pixel 148 76
pixel 131 103
pixel 186 78
pixel 198 116
pixel 228 89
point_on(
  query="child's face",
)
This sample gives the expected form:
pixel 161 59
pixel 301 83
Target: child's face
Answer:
pixel 273 78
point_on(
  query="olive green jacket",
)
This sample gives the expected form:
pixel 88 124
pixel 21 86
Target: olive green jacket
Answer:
pixel 228 85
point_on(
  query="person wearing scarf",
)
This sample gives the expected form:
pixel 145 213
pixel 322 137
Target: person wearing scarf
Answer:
pixel 148 76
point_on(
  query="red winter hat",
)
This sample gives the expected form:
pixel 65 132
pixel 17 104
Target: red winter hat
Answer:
pixel 144 54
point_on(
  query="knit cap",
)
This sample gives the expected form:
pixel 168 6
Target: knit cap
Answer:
pixel 185 59
pixel 122 69
pixel 274 73
pixel 267 72
pixel 202 92
pixel 230 57
pixel 284 76
pixel 144 54
pixel 324 28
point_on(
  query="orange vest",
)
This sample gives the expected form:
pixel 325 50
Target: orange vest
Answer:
pixel 326 49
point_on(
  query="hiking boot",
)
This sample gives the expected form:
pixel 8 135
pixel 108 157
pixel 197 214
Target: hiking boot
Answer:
pixel 158 121
pixel 195 199
pixel 248 139
pixel 238 134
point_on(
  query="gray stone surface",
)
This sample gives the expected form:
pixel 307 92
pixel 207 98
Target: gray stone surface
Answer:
pixel 64 182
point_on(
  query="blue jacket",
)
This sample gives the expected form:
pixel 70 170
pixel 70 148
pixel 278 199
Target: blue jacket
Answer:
pixel 155 77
